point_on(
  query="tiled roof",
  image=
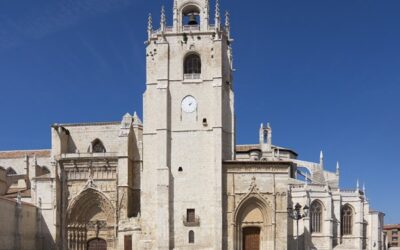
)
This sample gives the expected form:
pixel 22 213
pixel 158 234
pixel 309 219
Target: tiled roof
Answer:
pixel 14 201
pixel 13 193
pixel 23 153
pixel 392 226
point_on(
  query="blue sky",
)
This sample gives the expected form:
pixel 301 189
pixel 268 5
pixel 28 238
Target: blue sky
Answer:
pixel 324 73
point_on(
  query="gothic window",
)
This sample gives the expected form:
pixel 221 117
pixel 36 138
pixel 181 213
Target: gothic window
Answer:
pixel 347 220
pixel 192 65
pixel 191 236
pixel 98 147
pixel 316 217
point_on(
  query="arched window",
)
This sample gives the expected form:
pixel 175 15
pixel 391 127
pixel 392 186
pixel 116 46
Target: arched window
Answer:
pixel 192 66
pixel 347 220
pixel 191 236
pixel 316 217
pixel 98 146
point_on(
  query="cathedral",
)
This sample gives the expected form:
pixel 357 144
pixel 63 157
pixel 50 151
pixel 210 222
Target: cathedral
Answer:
pixel 176 179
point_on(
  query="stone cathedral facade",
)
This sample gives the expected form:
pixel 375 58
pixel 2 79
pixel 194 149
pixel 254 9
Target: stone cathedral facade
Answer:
pixel 178 180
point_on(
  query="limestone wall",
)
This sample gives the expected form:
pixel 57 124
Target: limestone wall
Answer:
pixel 19 225
pixel 82 135
pixel 3 181
pixel 17 160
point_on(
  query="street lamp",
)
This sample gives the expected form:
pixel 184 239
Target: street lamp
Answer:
pixel 296 215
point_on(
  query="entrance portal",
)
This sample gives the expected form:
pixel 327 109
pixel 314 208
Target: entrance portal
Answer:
pixel 251 238
pixel 97 244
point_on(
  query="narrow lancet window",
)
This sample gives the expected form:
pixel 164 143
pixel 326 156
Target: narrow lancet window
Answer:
pixel 316 217
pixel 347 220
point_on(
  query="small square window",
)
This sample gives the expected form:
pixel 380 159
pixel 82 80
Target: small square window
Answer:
pixel 190 215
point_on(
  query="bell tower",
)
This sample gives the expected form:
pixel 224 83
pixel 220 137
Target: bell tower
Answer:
pixel 189 127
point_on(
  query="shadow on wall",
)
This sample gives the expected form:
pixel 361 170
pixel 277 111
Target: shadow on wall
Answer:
pixel 45 240
pixel 303 241
pixel 23 226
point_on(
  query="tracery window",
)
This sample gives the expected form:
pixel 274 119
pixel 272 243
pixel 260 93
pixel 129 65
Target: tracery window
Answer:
pixel 347 220
pixel 192 65
pixel 316 217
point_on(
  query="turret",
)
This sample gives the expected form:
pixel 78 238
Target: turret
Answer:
pixel 266 137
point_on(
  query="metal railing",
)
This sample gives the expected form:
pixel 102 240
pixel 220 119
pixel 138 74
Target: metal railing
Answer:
pixel 195 223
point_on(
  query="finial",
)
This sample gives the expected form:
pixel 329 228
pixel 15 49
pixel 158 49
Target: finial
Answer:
pixel 321 155
pixel 227 19
pixel 175 16
pixel 268 125
pixel 19 198
pixel 227 24
pixel 363 188
pixel 217 14
pixel 306 178
pixel 163 18
pixel 337 168
pixel 149 25
pixel 358 185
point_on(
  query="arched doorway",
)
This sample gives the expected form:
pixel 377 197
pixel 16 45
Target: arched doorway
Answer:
pixel 253 224
pixel 251 238
pixel 91 221
pixel 97 244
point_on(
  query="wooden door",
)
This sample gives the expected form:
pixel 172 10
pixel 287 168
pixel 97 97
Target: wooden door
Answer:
pixel 97 244
pixel 251 238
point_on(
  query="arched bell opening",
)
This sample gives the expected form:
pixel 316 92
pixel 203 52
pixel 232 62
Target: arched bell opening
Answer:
pixel 191 16
pixel 253 225
pixel 90 216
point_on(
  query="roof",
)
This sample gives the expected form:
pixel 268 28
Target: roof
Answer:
pixel 13 193
pixel 247 148
pixel 14 201
pixel 391 226
pixel 251 147
pixel 87 124
pixel 23 153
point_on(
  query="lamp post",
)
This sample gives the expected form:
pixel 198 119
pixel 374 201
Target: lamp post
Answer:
pixel 296 215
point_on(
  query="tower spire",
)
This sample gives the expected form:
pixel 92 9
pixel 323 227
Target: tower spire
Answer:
pixel 149 26
pixel 228 24
pixel 163 19
pixel 321 159
pixel 337 168
pixel 175 15
pixel 217 15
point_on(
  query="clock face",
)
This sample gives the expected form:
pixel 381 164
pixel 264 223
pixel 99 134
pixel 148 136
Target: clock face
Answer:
pixel 189 104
